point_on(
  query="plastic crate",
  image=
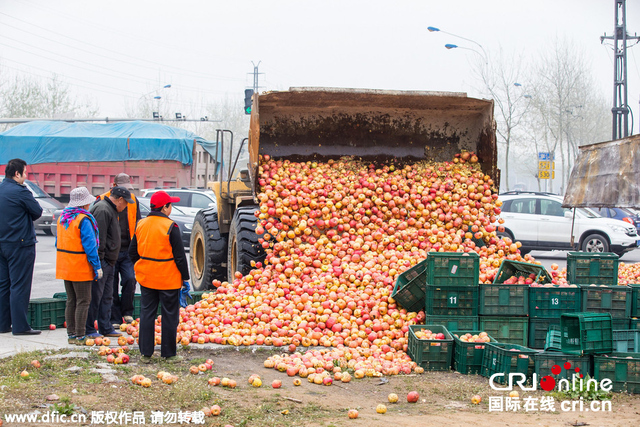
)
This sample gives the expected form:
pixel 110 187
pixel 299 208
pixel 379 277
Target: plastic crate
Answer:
pixel 551 301
pixel 507 359
pixel 409 290
pixel 60 295
pixel 634 324
pixel 553 341
pixel 620 324
pixel 451 300
pixel 635 300
pixel 195 297
pixel 607 299
pixel 510 268
pixel 46 311
pixel 623 369
pixel 513 330
pixel 501 299
pixel 587 268
pixel 454 323
pixel 538 330
pixel 544 361
pixel 626 341
pixel 467 356
pixel 453 268
pixel 432 355
pixel 586 333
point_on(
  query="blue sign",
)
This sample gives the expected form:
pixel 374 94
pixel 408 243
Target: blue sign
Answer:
pixel 544 156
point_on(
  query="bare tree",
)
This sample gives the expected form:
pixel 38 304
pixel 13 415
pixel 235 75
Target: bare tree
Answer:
pixel 501 79
pixel 23 96
pixel 566 105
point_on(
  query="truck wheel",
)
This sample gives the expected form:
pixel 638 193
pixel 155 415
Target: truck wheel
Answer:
pixel 208 251
pixel 595 243
pixel 243 242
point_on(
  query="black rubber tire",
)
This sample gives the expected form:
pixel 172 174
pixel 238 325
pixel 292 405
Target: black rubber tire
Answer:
pixel 243 240
pixel 208 254
pixel 595 243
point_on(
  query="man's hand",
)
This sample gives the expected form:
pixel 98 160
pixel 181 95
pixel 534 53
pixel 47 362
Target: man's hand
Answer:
pixel 99 274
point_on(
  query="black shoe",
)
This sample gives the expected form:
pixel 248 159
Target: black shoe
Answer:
pixel 29 332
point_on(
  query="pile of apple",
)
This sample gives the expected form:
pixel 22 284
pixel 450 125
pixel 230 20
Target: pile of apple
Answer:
pixel 427 334
pixel 337 235
pixel 628 274
pixel 520 280
pixel 480 337
pixel 117 355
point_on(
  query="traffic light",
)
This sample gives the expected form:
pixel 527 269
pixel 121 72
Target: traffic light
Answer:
pixel 248 93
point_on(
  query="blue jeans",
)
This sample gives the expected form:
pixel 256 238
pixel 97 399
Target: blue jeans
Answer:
pixel 124 275
pixel 16 274
pixel 101 298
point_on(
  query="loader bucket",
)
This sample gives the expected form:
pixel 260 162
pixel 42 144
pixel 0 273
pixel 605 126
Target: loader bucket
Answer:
pixel 375 125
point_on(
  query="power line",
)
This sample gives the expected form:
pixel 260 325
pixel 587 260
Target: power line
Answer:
pixel 185 72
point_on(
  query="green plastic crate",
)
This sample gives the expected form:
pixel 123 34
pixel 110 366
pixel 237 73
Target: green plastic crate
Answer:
pixel 60 295
pixel 634 324
pixel 607 299
pixel 586 333
pixel 195 297
pixel 635 300
pixel 623 369
pixel 510 268
pixel 501 299
pixel 467 356
pixel 538 329
pixel 513 330
pixel 46 311
pixel 553 341
pixel 409 290
pixel 456 323
pixel 507 359
pixel 544 361
pixel 626 341
pixel 587 268
pixel 551 301
pixel 453 268
pixel 432 355
pixel 620 324
pixel 451 300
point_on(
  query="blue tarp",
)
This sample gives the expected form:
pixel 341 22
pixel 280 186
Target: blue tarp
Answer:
pixel 50 142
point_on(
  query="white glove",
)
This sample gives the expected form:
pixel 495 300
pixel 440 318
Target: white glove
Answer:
pixel 99 274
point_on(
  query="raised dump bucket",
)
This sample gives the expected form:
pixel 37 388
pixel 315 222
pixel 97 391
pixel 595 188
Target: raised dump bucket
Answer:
pixel 375 125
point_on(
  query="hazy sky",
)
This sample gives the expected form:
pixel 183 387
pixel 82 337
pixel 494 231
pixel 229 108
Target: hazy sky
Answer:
pixel 116 52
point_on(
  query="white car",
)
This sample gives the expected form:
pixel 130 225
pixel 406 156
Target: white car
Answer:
pixel 191 200
pixel 539 222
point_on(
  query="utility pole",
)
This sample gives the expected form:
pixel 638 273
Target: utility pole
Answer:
pixel 620 108
pixel 248 93
pixel 256 74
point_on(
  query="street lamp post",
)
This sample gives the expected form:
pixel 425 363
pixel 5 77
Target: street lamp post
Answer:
pixel 453 46
pixel 157 97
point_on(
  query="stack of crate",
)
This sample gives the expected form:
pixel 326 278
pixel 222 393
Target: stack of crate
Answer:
pixel 504 307
pixel 634 324
pixel 597 276
pixel 451 291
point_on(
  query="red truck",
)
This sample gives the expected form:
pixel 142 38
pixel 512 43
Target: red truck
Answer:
pixel 62 156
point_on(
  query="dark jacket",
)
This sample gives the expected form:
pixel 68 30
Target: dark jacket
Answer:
pixel 18 211
pixel 177 247
pixel 123 219
pixel 106 215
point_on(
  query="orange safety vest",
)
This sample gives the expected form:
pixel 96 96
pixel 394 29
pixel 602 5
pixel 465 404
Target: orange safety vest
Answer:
pixel 71 259
pixel 156 268
pixel 131 212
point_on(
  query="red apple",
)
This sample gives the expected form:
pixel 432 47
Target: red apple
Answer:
pixel 52 327
pixel 413 397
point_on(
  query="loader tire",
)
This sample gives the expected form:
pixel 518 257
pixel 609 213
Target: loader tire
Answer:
pixel 208 251
pixel 243 242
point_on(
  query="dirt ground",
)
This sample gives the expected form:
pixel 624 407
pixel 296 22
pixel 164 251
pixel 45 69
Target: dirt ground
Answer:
pixel 445 398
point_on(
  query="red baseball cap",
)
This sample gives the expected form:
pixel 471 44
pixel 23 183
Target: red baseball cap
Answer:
pixel 161 198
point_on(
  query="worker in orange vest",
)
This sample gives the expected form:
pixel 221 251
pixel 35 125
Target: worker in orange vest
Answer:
pixel 123 273
pixel 77 261
pixel 162 270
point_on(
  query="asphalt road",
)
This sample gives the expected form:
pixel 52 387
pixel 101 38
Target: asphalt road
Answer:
pixel 45 283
